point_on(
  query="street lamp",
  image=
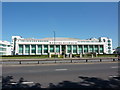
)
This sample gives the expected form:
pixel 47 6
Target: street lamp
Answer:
pixel 54 44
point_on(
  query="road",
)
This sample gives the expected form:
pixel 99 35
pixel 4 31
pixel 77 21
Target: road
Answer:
pixel 55 73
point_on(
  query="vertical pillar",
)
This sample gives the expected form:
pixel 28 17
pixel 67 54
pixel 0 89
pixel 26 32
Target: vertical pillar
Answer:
pixel 98 49
pixel 42 49
pixel 30 50
pixel 83 49
pixel 65 49
pixel 60 50
pixel 93 48
pixel 48 48
pixel 55 49
pixel 77 50
pixel 23 49
pixel 36 49
pixel 71 49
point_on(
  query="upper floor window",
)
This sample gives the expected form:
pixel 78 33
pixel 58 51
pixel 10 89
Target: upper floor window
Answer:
pixel 103 40
pixel 109 41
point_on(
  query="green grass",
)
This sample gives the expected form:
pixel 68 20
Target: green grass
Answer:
pixel 46 56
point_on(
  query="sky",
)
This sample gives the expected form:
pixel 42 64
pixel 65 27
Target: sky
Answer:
pixel 81 20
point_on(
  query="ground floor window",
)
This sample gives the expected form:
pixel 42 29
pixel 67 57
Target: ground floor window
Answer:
pixel 96 48
pixel 39 48
pixel 85 48
pixel 101 48
pixel 33 47
pixel 68 48
pixel 80 48
pixel 74 48
pixel 51 48
pixel 20 48
pixel 57 48
pixel 27 48
pixel 45 48
pixel 91 48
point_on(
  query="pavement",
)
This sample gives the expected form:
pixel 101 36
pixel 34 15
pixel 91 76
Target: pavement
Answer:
pixel 55 73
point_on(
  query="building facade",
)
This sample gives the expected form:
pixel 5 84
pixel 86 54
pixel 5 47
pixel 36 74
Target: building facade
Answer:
pixel 5 48
pixel 30 46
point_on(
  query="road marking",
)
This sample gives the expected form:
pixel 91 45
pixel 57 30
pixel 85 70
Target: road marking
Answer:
pixel 61 69
pixel 27 82
pixel 114 67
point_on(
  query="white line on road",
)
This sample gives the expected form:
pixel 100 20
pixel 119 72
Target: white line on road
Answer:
pixel 61 69
pixel 114 67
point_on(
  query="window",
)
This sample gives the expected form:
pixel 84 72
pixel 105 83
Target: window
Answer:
pixel 69 49
pixel 57 48
pixel 39 48
pixel 109 44
pixel 109 47
pixel 80 48
pixel 101 48
pixel 109 51
pixel 20 48
pixel 85 48
pixel 103 40
pixel 96 48
pixel 74 48
pixel 45 48
pixel 91 48
pixel 27 48
pixel 51 48
pixel 2 49
pixel 109 41
pixel 33 47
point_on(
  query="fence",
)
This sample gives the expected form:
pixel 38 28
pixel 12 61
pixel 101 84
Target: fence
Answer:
pixel 37 61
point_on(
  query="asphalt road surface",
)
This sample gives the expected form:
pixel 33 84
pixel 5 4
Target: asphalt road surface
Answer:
pixel 55 73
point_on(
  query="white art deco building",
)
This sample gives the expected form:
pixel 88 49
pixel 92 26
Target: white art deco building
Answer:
pixel 30 46
pixel 5 48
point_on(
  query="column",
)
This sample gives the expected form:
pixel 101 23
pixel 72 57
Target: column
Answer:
pixel 72 49
pixel 48 48
pixel 66 49
pixel 23 49
pixel 42 49
pixel 36 49
pixel 98 49
pixel 30 49
pixel 93 48
pixel 54 49
pixel 77 50
pixel 83 49
pixel 60 50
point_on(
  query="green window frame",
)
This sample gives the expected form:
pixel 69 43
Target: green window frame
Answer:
pixel 27 48
pixel 39 48
pixel 45 48
pixel 51 48
pixel 74 48
pixel 91 48
pixel 101 49
pixel 109 47
pixel 85 48
pixel 57 48
pixel 80 48
pixel 69 49
pixel 33 49
pixel 20 48
pixel 96 48
pixel 109 41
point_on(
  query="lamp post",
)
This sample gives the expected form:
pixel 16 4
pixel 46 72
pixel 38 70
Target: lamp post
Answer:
pixel 54 44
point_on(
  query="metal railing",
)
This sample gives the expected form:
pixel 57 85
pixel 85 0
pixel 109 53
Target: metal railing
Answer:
pixel 48 61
